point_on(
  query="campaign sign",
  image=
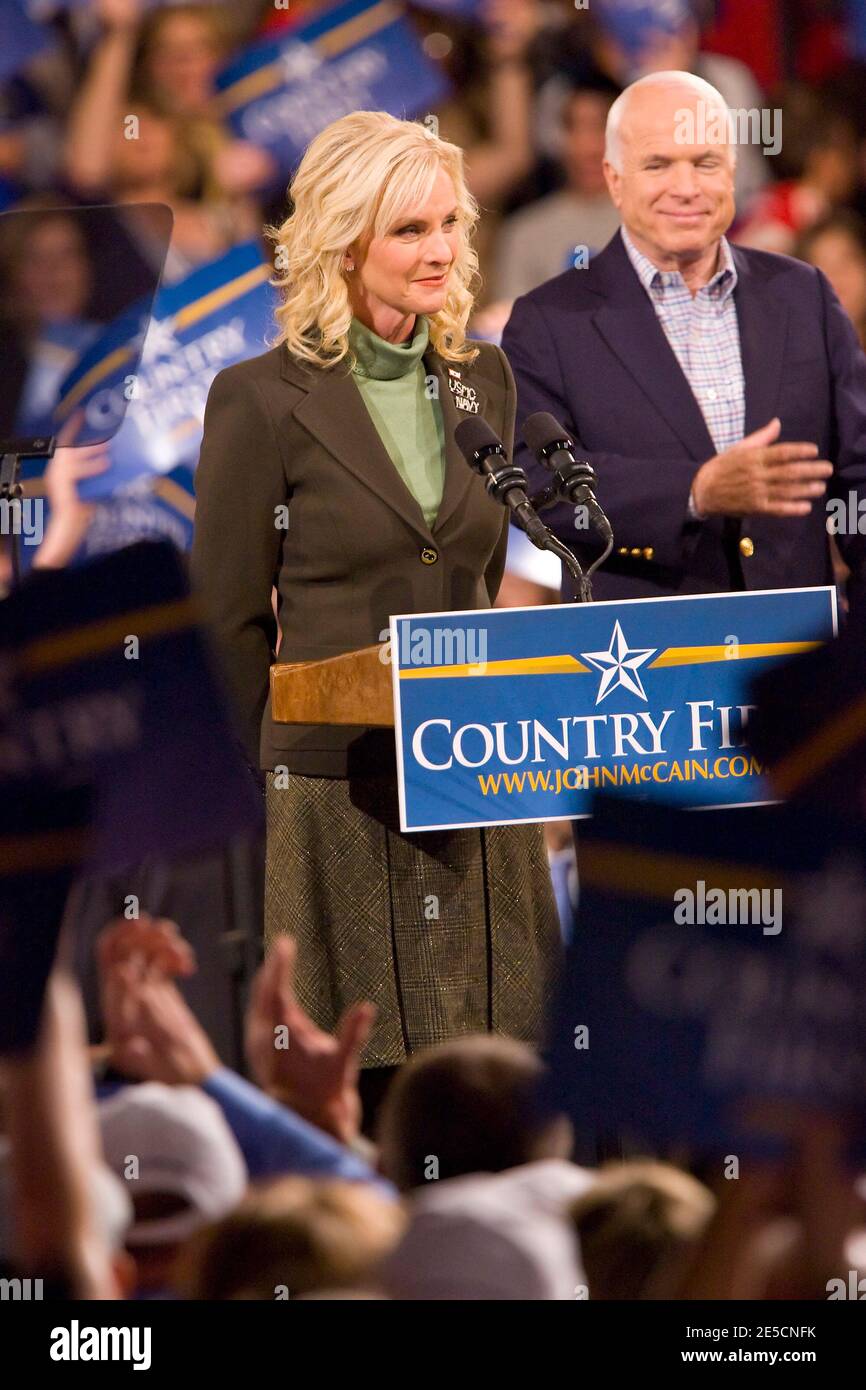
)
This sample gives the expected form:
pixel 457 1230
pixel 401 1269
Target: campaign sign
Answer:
pixel 855 23
pixel 810 725
pixel 714 979
pixel 44 841
pixel 220 314
pixel 452 9
pixel 21 38
pixel 107 680
pixel 152 507
pixel 521 714
pixel 636 24
pixel 361 55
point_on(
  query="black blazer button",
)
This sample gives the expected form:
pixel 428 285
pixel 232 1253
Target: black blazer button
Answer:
pixel 429 556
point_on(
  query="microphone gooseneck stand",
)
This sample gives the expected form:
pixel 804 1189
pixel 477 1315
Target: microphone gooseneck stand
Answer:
pixel 583 579
pixel 583 586
pixel 506 483
pixel 574 481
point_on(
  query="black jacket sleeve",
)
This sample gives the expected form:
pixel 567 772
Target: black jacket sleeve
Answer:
pixel 240 486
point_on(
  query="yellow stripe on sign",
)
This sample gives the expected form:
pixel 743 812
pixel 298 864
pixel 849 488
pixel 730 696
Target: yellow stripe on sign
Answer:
pixel 344 36
pixel 527 666
pixel 638 873
pixel 356 30
pixel 255 84
pixel 176 496
pixel 746 651
pixel 569 665
pixel 183 428
pixel 223 294
pixel 64 648
pixel 207 304
pixel 44 850
pixel 97 373
pixel 823 748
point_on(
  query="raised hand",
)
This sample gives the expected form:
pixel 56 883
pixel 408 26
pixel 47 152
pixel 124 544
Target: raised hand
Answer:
pixel 294 1060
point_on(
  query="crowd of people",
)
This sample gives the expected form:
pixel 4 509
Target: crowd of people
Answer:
pixel 124 107
pixel 144 1167
pixel 178 1178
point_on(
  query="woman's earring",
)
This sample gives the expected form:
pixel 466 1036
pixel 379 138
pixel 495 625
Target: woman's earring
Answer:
pixel 350 265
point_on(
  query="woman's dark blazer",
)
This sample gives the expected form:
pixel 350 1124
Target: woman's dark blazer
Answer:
pixel 356 548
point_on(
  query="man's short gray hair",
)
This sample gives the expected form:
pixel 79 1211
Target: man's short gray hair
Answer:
pixel 687 81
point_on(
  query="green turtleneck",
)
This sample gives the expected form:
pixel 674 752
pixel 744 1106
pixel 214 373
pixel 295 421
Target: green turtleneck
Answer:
pixel 393 383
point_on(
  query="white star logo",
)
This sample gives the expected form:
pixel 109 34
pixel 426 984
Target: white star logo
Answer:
pixel 299 60
pixel 618 666
pixel 160 340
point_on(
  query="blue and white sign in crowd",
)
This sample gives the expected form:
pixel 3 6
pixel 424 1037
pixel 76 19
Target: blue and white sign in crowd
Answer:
pixel 361 55
pixel 220 314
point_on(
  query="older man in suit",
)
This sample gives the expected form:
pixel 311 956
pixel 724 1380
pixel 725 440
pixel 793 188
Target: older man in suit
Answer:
pixel 719 393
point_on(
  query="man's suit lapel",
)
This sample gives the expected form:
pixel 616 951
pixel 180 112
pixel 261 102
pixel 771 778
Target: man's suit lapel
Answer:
pixel 627 321
pixel 763 324
pixel 333 411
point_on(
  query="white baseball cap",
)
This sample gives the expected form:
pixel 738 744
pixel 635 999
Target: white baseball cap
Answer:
pixel 493 1236
pixel 183 1146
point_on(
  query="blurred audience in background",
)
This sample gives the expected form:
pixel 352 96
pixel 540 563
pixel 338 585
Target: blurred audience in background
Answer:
pixel 837 246
pixel 123 104
pixel 818 165
pixel 538 241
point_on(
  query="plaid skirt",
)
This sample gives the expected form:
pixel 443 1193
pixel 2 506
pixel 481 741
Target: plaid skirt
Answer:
pixel 448 932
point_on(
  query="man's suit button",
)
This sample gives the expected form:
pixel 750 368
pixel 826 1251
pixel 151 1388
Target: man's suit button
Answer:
pixel 429 556
pixel 623 550
pixel 648 552
pixel 635 552
pixel 747 547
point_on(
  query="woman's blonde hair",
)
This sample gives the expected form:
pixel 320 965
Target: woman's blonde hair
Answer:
pixel 357 177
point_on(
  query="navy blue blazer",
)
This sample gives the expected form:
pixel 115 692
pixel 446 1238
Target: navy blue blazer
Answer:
pixel 587 346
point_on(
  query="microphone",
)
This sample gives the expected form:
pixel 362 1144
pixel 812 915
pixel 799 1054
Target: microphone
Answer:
pixel 574 479
pixel 505 481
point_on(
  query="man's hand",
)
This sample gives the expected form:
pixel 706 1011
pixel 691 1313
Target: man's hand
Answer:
pixel 152 1032
pixel 167 1042
pixel 313 1072
pixel 758 476
pixel 119 14
pixel 153 944
pixel 511 27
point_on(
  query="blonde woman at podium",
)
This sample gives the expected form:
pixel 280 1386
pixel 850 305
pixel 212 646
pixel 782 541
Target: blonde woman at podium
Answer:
pixel 329 473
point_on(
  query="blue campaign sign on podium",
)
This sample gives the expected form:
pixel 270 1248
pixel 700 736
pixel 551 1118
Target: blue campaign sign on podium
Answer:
pixel 521 714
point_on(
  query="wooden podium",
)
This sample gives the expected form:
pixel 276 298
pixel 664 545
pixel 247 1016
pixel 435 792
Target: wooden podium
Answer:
pixel 354 688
